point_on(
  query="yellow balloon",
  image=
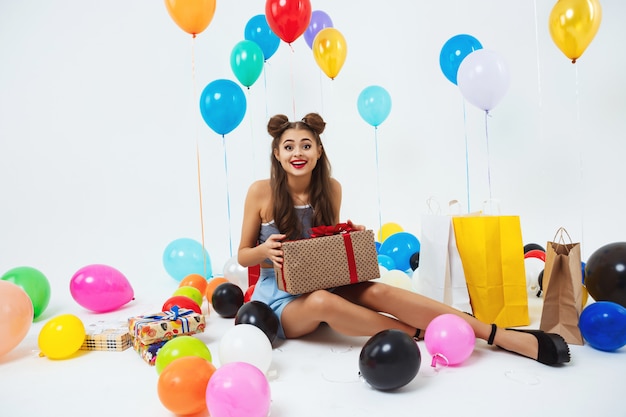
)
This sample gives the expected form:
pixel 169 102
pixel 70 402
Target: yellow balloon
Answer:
pixel 330 51
pixel 61 336
pixel 387 230
pixel 573 25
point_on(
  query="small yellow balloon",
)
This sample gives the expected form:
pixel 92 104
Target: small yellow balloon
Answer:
pixel 330 51
pixel 573 25
pixel 61 336
pixel 397 278
pixel 387 230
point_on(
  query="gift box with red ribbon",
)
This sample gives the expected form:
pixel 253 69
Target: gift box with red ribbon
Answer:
pixel 334 256
pixel 166 325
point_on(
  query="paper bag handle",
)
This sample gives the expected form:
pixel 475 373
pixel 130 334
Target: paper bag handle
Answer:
pixel 560 232
pixel 432 205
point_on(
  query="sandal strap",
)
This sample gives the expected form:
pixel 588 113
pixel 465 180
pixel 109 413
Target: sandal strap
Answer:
pixel 492 336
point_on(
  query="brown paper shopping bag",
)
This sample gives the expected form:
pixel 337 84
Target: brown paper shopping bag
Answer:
pixel 492 252
pixel 440 274
pixel 562 289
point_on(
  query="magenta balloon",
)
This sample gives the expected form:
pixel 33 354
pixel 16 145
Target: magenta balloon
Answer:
pixel 100 288
pixel 449 339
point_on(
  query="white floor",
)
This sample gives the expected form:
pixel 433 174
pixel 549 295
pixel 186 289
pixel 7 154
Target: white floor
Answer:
pixel 315 376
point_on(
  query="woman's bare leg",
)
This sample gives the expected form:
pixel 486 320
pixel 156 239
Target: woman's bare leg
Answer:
pixel 417 311
pixel 304 314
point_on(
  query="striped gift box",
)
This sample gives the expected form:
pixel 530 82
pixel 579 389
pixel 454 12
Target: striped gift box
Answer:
pixel 107 336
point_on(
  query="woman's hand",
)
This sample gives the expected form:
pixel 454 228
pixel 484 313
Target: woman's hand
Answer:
pixel 357 227
pixel 273 249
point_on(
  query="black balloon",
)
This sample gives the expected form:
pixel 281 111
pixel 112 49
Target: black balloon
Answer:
pixel 389 360
pixel 260 315
pixel 533 246
pixel 227 299
pixel 605 273
pixel 414 261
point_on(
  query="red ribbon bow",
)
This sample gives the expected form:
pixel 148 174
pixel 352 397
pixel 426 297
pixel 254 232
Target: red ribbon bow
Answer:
pixel 337 229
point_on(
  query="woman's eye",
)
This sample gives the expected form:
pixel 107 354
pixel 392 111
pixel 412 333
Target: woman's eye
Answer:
pixel 307 147
pixel 288 147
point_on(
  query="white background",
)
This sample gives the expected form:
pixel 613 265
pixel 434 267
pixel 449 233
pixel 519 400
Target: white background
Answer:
pixel 100 137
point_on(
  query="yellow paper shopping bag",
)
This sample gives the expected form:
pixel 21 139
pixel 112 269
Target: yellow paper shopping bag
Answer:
pixel 492 253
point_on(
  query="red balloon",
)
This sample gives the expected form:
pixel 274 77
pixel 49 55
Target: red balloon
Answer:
pixel 182 302
pixel 535 253
pixel 288 19
pixel 248 294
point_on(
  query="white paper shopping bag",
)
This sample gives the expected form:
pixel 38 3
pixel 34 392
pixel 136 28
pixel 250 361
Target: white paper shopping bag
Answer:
pixel 440 272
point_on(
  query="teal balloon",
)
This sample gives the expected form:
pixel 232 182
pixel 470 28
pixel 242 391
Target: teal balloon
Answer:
pixel 258 30
pixel 223 105
pixel 454 52
pixel 186 256
pixel 400 247
pixel 34 283
pixel 374 104
pixel 246 61
pixel 603 325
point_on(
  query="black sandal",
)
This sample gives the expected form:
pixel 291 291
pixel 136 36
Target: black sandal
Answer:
pixel 553 349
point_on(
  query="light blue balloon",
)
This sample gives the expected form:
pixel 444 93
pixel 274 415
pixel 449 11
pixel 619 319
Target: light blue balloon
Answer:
pixel 454 51
pixel 186 256
pixel 222 105
pixel 400 247
pixel 386 262
pixel 374 104
pixel 259 31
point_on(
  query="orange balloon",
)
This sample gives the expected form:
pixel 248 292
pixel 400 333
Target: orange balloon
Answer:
pixel 330 51
pixel 192 16
pixel 194 280
pixel 182 384
pixel 211 285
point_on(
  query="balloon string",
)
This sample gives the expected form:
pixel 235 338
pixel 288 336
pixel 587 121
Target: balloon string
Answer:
pixel 195 100
pixel 252 137
pixel 380 219
pixel 230 239
pixel 293 84
pixel 267 113
pixel 488 155
pixel 467 174
pixel 581 158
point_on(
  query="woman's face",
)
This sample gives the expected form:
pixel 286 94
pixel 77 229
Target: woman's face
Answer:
pixel 298 152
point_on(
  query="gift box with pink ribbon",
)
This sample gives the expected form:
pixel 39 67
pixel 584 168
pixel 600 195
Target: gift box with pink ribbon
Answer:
pixel 333 256
pixel 165 325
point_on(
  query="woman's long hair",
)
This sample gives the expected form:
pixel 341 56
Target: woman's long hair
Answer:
pixel 285 215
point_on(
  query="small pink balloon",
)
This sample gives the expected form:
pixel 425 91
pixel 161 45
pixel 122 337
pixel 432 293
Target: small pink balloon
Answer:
pixel 100 288
pixel 238 389
pixel 449 339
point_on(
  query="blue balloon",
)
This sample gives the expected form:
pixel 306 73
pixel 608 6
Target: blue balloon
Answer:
pixel 454 51
pixel 374 104
pixel 186 256
pixel 603 325
pixel 259 31
pixel 386 262
pixel 400 247
pixel 223 105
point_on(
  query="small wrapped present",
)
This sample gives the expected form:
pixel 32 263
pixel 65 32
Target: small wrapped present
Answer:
pixel 109 336
pixel 166 325
pixel 333 256
pixel 148 352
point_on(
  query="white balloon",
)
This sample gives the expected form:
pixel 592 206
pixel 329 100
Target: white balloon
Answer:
pixel 483 78
pixel 398 279
pixel 236 273
pixel 246 343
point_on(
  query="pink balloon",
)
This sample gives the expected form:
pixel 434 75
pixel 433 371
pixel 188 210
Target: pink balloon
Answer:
pixel 483 78
pixel 449 339
pixel 16 315
pixel 238 389
pixel 100 288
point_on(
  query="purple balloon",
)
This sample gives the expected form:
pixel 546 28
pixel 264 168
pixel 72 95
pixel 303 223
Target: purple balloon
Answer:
pixel 319 21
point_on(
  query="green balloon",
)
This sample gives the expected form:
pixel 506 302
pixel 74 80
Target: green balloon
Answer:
pixel 34 283
pixel 179 347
